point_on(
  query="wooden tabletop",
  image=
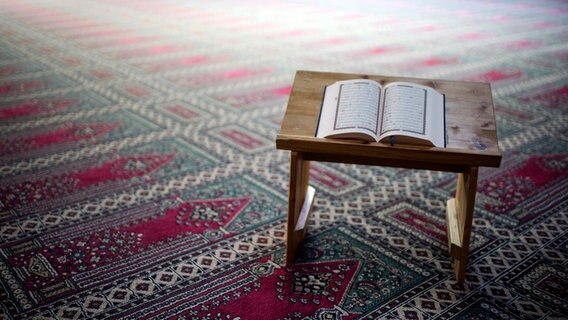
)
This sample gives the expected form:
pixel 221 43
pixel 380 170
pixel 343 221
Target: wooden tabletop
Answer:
pixel 470 126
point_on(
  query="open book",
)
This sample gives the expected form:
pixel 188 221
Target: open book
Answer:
pixel 399 112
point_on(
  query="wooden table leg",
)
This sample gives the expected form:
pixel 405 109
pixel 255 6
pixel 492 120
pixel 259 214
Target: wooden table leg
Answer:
pixel 300 199
pixel 459 216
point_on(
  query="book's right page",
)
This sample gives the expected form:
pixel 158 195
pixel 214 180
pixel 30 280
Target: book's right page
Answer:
pixel 412 113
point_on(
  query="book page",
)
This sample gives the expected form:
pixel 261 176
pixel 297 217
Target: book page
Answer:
pixel 404 109
pixel 350 110
pixel 357 106
pixel 413 111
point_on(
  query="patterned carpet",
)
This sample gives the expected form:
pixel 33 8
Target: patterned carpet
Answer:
pixel 139 177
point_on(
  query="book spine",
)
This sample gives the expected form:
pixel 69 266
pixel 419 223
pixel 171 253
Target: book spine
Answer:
pixel 445 127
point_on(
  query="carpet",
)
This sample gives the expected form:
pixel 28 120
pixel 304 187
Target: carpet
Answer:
pixel 139 177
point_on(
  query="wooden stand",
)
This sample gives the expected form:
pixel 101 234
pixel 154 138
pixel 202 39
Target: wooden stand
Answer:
pixel 471 142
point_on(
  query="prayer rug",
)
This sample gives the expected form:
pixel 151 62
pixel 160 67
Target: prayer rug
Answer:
pixel 139 177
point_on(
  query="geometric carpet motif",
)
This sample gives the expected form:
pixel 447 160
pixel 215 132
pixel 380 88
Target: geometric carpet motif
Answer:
pixel 139 177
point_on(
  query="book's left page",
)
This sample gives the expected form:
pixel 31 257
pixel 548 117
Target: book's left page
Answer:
pixel 350 109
